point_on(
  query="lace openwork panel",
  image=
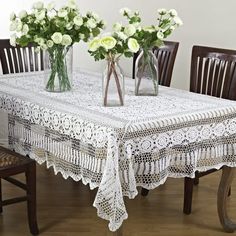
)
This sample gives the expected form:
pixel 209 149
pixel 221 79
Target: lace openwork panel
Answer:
pixel 117 148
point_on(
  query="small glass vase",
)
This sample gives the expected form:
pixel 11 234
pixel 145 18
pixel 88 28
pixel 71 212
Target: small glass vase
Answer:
pixel 113 84
pixel 58 62
pixel 146 74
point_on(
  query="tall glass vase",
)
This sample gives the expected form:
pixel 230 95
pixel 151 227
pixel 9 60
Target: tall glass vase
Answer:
pixel 58 64
pixel 113 84
pixel 146 74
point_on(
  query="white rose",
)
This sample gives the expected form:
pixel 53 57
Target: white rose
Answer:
pixel 122 36
pixel 22 14
pixel 125 11
pixel 117 27
pixel 44 46
pixel 177 21
pixel 57 38
pixel 12 16
pixel 173 12
pixel 50 43
pixel 40 15
pixel 95 16
pixel 39 41
pixel 62 13
pixel 38 5
pixel 78 21
pixel 37 49
pixel 162 11
pixel 66 40
pixel 133 45
pixel 172 28
pixel 94 44
pixel 91 23
pixel 51 14
pixel 108 42
pixel 72 4
pixel 149 29
pixel 81 36
pixel 160 35
pixel 25 29
pixel 50 6
pixel 130 30
pixel 19 26
pixel 69 26
pixel 13 40
pixel 13 26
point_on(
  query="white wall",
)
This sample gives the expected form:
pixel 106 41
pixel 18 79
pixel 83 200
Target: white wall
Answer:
pixel 208 22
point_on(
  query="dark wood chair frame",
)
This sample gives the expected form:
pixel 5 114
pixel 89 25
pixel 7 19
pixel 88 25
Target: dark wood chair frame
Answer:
pixel 27 166
pixel 166 57
pixel 16 59
pixel 217 77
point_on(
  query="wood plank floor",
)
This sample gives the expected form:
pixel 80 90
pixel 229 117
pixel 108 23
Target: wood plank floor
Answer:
pixel 65 209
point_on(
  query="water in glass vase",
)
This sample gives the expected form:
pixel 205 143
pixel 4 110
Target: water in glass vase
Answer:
pixel 58 68
pixel 146 74
pixel 113 84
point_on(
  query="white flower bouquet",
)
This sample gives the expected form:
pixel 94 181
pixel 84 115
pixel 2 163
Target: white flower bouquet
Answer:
pixel 54 30
pixel 114 44
pixel 148 37
pixel 111 47
pixel 153 35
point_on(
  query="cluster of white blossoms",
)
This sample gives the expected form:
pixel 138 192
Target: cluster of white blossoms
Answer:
pixel 152 35
pixel 48 27
pixel 110 42
pixel 111 45
pixel 128 39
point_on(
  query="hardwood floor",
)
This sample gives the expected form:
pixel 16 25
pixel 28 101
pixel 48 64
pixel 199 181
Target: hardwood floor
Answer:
pixel 65 209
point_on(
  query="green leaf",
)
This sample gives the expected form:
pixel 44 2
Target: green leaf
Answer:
pixel 95 32
pixel 158 43
pixel 128 54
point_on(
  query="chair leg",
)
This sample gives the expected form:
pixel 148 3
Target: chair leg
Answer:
pixel 31 195
pixel 196 180
pixel 0 195
pixel 188 194
pixel 229 193
pixel 144 192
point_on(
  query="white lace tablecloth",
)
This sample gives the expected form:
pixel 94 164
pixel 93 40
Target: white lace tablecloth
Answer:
pixel 117 148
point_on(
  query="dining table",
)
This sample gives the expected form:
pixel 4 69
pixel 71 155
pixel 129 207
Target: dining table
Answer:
pixel 118 149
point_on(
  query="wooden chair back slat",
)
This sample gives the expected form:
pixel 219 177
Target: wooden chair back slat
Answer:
pixel 9 57
pixel 166 57
pixel 21 67
pixel 18 59
pixel 213 72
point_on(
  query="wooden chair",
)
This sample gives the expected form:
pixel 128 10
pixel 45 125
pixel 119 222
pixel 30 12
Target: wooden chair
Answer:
pixel 213 72
pixel 166 57
pixel 15 60
pixel 11 164
pixel 18 59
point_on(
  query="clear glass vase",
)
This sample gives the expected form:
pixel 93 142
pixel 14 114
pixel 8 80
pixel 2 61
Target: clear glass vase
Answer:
pixel 146 74
pixel 58 62
pixel 113 84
